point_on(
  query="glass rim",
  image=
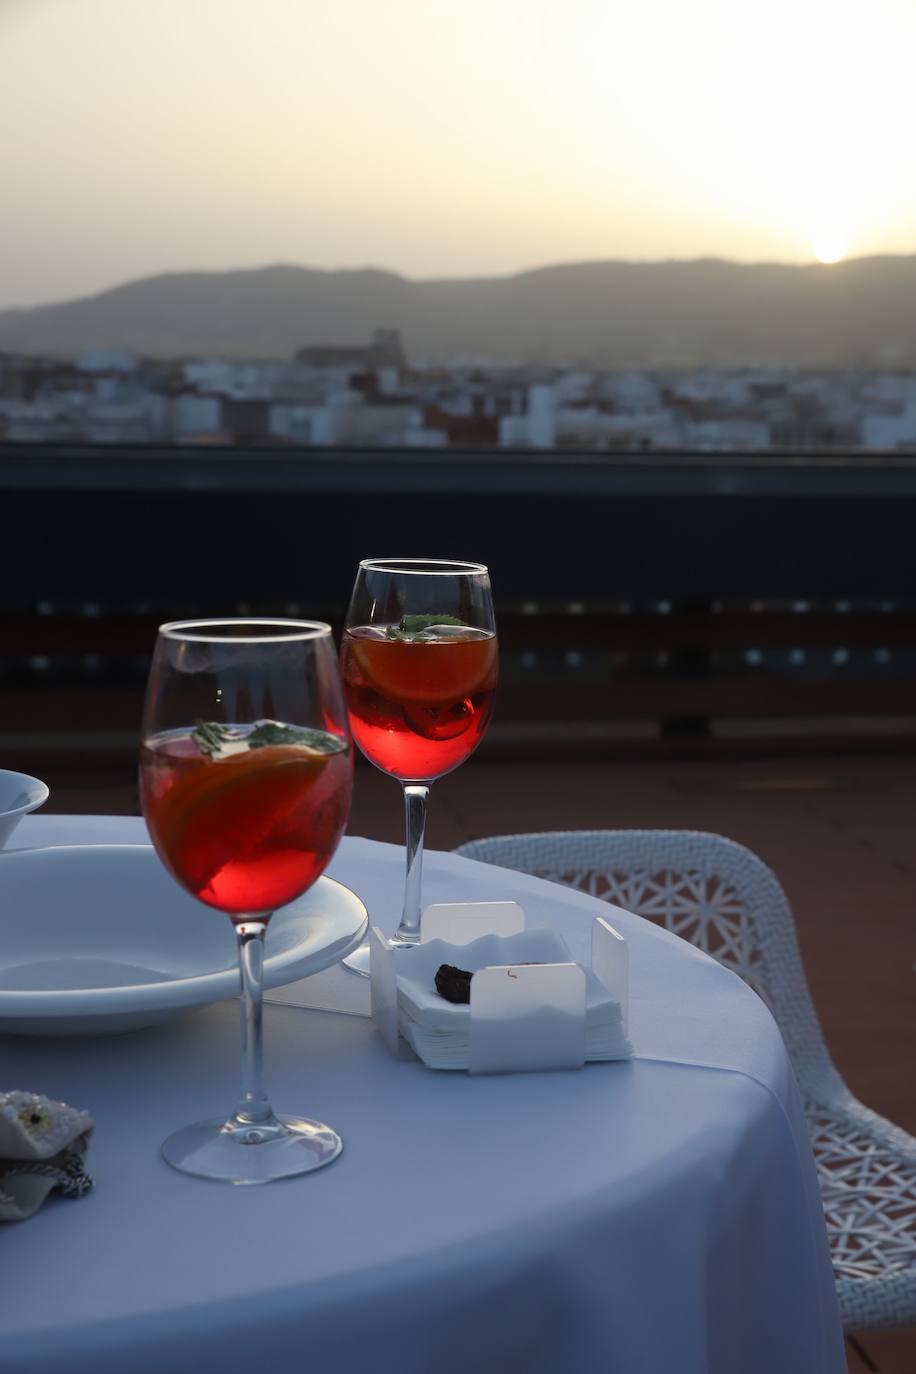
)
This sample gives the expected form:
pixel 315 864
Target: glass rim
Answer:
pixel 295 630
pixel 429 567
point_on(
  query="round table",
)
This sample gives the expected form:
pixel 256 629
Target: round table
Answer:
pixel 655 1215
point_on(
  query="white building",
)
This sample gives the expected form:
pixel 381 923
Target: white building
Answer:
pixel 107 360
pixel 295 423
pixel 193 415
pixel 890 431
pixel 631 392
pixel 542 416
pixel 729 432
pixel 513 431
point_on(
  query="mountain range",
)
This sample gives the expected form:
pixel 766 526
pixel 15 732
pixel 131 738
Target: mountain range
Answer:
pixel 858 313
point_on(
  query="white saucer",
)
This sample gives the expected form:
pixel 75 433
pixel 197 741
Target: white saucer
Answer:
pixel 99 938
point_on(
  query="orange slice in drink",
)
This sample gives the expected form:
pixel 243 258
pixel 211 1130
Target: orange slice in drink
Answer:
pixel 428 672
pixel 214 801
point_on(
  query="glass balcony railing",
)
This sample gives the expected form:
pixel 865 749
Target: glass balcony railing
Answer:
pixel 681 597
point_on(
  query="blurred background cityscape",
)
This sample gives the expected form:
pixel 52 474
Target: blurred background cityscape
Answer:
pixel 570 293
pixel 368 396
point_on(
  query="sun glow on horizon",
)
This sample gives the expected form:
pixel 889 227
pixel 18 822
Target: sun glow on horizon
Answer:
pixel 431 149
pixel 829 248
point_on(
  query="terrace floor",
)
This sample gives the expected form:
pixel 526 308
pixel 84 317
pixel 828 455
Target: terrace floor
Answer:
pixel 838 832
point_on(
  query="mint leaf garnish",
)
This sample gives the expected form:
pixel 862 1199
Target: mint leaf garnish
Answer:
pixel 410 626
pixel 212 738
pixel 272 732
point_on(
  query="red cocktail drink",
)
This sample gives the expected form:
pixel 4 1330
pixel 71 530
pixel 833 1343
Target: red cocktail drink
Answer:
pixel 418 707
pixel 250 831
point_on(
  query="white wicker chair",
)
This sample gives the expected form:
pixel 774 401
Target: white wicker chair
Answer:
pixel 723 899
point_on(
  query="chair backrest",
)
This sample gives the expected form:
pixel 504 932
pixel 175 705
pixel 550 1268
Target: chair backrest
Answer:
pixel 705 888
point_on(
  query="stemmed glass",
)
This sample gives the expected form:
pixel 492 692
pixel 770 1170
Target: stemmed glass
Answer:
pixel 246 775
pixel 419 665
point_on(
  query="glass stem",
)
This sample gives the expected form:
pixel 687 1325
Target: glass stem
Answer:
pixel 415 795
pixel 253 1106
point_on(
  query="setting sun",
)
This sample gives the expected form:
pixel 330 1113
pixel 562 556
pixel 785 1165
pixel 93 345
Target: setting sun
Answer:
pixel 829 249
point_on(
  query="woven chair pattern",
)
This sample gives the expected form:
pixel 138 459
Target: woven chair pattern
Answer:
pixel 723 899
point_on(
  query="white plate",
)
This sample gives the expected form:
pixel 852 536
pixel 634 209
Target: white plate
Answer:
pixel 99 938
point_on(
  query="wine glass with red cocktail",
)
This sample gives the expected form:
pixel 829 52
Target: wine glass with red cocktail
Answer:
pixel 419 663
pixel 245 778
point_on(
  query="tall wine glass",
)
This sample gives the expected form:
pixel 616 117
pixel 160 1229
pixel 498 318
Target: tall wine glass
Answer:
pixel 246 774
pixel 419 664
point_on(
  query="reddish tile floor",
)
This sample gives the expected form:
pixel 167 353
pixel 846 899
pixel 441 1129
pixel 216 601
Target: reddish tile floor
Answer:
pixel 837 832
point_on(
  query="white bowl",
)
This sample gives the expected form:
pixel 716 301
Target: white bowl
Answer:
pixel 19 794
pixel 99 938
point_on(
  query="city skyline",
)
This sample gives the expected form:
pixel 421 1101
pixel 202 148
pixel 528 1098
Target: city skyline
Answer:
pixel 218 134
pixel 367 395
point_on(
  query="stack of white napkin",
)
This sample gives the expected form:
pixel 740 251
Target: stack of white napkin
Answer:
pixel 439 1031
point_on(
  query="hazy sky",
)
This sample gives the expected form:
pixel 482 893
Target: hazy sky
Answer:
pixel 446 137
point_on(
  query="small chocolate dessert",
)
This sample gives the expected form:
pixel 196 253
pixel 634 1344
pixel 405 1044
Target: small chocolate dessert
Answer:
pixel 454 984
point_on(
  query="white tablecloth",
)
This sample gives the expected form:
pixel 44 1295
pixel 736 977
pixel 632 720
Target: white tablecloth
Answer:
pixel 653 1217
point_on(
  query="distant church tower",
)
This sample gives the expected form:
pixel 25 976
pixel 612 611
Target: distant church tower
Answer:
pixel 385 350
pixel 388 348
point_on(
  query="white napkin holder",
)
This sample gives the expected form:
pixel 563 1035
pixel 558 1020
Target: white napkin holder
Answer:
pixel 459 923
pixel 522 1017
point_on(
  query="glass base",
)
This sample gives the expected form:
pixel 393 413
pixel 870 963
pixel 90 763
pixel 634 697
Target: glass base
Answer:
pixel 358 961
pixel 279 1148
